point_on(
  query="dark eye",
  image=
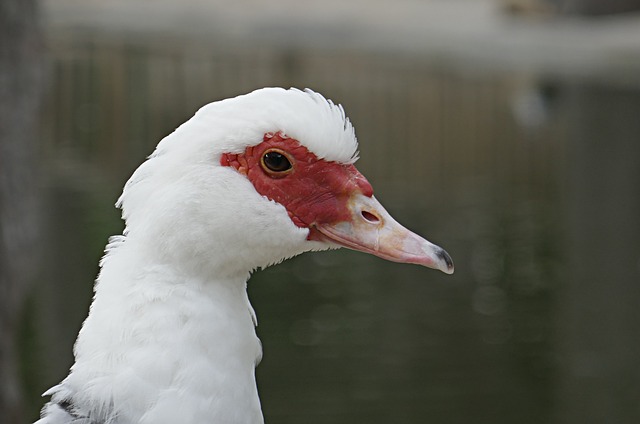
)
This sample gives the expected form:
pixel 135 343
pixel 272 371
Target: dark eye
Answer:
pixel 275 162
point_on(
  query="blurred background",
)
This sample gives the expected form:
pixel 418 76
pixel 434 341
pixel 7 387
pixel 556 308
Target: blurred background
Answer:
pixel 506 131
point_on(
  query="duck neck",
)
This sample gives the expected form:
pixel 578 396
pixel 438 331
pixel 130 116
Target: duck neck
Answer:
pixel 162 345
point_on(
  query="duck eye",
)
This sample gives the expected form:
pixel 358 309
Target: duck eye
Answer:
pixel 275 162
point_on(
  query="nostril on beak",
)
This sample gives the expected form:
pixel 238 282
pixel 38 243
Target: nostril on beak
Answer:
pixel 370 217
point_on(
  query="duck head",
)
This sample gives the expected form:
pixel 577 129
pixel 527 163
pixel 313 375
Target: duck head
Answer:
pixel 253 180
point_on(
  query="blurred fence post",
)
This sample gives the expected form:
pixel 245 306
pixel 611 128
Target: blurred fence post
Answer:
pixel 21 77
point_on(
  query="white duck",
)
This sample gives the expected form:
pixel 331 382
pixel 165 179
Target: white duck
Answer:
pixel 244 184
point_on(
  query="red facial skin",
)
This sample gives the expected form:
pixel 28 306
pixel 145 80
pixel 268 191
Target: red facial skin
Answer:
pixel 314 191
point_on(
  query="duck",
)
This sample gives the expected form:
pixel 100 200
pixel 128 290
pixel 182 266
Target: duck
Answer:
pixel 244 184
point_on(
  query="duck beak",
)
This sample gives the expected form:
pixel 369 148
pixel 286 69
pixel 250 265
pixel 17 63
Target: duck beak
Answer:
pixel 372 230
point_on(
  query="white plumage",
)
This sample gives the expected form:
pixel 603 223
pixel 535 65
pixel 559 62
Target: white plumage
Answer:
pixel 170 334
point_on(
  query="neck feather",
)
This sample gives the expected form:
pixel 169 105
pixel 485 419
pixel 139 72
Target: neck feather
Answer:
pixel 163 346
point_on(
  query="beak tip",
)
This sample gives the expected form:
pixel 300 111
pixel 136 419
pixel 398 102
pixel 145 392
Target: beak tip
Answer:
pixel 446 262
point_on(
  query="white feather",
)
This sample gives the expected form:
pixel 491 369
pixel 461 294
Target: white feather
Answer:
pixel 170 335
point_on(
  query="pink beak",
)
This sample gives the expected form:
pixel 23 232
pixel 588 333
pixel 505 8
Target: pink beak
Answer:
pixel 372 230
